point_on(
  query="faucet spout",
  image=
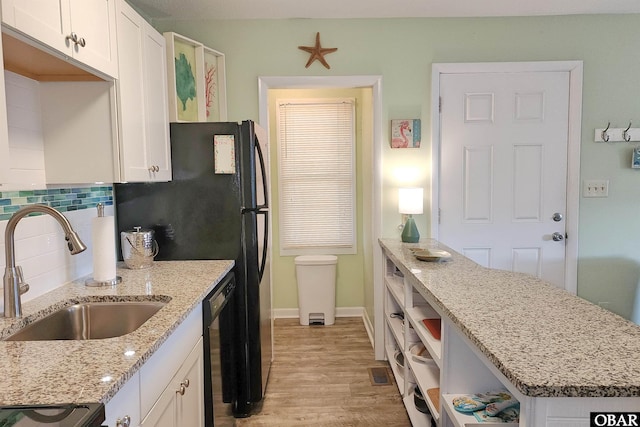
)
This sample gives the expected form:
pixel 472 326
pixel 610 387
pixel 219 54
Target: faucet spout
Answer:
pixel 12 274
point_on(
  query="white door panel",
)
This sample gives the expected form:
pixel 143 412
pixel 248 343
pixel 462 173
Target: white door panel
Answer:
pixel 503 168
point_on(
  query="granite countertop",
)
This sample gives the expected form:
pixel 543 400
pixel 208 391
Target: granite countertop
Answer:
pixel 49 372
pixel 547 342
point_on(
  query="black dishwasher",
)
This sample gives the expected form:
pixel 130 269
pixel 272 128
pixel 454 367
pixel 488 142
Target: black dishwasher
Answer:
pixel 220 379
pixel 64 415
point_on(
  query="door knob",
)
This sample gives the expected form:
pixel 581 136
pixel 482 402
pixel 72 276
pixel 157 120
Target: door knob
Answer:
pixel 557 217
pixel 557 236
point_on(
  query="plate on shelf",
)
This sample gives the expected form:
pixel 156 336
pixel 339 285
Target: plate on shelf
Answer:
pixel 432 255
pixel 420 354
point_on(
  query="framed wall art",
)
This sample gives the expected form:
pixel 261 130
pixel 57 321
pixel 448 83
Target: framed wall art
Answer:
pixel 215 94
pixel 405 133
pixel 197 81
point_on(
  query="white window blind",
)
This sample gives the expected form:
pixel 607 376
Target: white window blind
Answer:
pixel 316 158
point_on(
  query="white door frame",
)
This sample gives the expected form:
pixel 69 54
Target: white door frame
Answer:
pixel 573 149
pixel 375 331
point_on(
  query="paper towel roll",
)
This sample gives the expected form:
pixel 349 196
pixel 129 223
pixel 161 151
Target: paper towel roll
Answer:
pixel 104 249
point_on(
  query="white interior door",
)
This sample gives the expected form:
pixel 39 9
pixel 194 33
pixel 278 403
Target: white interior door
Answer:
pixel 503 169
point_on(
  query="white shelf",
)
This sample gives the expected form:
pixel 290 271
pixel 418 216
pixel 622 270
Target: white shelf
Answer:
pixel 395 326
pixel 399 376
pixel 463 420
pixel 396 288
pixel 417 418
pixel 427 376
pixel 434 346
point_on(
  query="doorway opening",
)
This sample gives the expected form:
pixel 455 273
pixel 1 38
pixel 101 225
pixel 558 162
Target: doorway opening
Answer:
pixel 370 204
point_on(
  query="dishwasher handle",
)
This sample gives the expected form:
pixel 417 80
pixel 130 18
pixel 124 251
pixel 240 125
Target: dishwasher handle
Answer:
pixel 216 301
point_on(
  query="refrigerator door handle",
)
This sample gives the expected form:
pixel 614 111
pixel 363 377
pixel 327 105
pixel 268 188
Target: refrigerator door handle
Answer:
pixel 263 172
pixel 265 241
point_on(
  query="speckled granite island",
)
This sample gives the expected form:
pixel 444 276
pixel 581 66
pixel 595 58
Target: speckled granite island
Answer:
pixel 48 372
pixel 559 355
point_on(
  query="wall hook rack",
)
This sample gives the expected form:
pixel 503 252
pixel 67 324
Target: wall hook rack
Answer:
pixel 610 134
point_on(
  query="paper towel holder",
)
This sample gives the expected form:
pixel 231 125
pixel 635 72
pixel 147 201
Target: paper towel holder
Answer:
pixel 92 282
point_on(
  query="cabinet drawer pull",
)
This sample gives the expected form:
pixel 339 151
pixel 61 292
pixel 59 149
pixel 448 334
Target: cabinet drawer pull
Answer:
pixel 124 422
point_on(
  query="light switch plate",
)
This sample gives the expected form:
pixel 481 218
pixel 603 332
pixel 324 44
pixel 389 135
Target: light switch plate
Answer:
pixel 596 188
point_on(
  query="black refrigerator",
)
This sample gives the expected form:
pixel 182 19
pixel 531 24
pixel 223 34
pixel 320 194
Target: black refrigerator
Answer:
pixel 216 207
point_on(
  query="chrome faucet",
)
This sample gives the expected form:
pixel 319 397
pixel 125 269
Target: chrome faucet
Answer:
pixel 14 285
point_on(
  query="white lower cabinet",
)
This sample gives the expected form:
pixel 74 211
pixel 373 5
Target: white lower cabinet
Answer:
pixel 181 403
pixel 168 390
pixel 125 405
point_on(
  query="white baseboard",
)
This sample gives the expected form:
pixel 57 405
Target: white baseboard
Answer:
pixel 369 327
pixel 289 313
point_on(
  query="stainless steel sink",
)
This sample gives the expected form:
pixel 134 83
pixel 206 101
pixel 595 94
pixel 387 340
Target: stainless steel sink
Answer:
pixel 89 321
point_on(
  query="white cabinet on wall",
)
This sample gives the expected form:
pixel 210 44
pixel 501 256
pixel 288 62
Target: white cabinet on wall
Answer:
pixel 145 151
pixel 81 29
pixel 4 135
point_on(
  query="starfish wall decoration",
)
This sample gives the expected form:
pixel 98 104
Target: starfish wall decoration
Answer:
pixel 318 52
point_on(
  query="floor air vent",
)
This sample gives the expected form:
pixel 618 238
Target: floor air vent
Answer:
pixel 379 376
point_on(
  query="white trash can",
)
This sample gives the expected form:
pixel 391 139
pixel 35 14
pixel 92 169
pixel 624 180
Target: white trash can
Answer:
pixel 316 277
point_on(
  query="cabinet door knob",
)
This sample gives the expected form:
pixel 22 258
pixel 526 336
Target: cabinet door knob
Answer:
pixel 124 422
pixel 73 37
pixel 81 42
pixel 186 382
pixel 181 391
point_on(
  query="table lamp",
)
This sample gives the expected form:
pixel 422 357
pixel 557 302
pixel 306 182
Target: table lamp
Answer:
pixel 409 203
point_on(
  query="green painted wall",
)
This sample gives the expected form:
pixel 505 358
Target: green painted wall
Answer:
pixel 402 51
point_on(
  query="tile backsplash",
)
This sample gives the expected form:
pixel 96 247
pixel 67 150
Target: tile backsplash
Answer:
pixel 61 199
pixel 39 240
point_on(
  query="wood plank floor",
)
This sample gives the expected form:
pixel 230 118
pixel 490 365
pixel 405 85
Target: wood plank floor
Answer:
pixel 320 378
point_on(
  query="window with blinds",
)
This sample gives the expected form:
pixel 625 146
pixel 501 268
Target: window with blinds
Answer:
pixel 316 161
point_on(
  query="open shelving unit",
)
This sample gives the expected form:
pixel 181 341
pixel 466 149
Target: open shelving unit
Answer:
pixel 453 366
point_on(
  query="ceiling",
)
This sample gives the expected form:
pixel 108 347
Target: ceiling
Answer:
pixel 282 9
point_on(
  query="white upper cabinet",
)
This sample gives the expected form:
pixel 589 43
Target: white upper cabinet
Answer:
pixel 145 151
pixel 4 134
pixel 81 29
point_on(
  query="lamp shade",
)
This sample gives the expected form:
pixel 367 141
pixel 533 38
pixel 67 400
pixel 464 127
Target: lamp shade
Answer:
pixel 410 200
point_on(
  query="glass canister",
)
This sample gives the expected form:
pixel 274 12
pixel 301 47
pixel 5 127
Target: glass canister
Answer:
pixel 138 248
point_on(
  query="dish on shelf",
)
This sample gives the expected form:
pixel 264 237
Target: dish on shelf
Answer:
pixel 420 354
pixel 434 396
pixel 398 357
pixel 418 400
pixel 411 334
pixel 432 255
pixel 433 326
